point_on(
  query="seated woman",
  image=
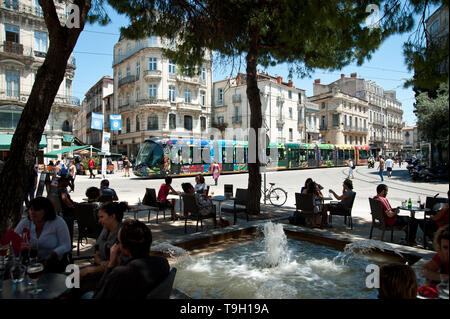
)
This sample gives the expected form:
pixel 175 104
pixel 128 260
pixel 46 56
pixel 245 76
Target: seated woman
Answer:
pixel 436 270
pixel 200 185
pixel 314 190
pixel 110 216
pixel 308 180
pixel 206 207
pixel 49 234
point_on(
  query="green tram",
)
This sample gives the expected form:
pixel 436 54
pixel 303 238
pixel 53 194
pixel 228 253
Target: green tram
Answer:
pixel 184 157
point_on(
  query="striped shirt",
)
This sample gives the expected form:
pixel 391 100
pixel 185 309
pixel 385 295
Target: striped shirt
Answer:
pixel 387 207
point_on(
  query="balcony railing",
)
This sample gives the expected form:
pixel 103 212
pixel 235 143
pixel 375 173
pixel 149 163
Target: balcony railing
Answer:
pixel 19 7
pixel 323 127
pixel 355 129
pixel 152 74
pixel 237 119
pixel 127 79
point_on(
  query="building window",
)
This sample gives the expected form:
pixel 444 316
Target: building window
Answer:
pixel 290 112
pixel 345 120
pixel 128 71
pixel 152 64
pixel 345 139
pixel 12 33
pixel 171 93
pixel 350 120
pixel 188 122
pixel 219 96
pixel 203 98
pixel 365 124
pixel 152 41
pixel 335 119
pixel 138 94
pixel 172 121
pixel 138 70
pixel 119 101
pixel 128 48
pixel 37 8
pixel 291 134
pixel 128 125
pixel 66 126
pixel 203 123
pixel 360 140
pixel 138 126
pixel 187 95
pixel 12 83
pixel 152 122
pixel 40 42
pixel 152 91
pixel 171 67
pixel 290 95
pixel 203 74
pixel 10 116
pixel 356 122
pixel 120 75
pixel 324 105
pixel 128 99
pixel 351 139
pixel 299 98
pixel 434 27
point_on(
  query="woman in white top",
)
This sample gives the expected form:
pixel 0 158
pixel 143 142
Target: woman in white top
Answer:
pixel 200 185
pixel 49 233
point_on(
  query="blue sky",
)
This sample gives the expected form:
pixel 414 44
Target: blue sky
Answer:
pixel 94 55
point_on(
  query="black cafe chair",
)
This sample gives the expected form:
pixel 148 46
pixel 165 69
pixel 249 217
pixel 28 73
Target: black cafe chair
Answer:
pixel 164 289
pixel 379 221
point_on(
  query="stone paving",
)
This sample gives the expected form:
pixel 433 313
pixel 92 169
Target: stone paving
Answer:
pixel 401 187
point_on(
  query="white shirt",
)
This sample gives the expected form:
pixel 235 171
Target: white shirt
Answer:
pixel 54 237
pixel 350 164
pixel 389 163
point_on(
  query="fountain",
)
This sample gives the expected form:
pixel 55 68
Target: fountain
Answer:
pixel 273 266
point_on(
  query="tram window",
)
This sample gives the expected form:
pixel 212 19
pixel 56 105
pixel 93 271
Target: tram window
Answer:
pixel 352 154
pixel 206 155
pixel 186 155
pixel 227 155
pixel 239 155
pixel 245 155
pixel 311 155
pixel 363 154
pixel 281 155
pixel 327 155
pixel 341 154
pixel 196 155
pixel 302 155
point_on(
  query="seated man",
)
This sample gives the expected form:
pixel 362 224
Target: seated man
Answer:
pixel 106 191
pixel 206 207
pixel 344 201
pixel 140 273
pixel 392 218
pixel 164 190
pixel 92 194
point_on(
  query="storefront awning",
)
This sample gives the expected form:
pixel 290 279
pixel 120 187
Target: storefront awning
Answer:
pixel 54 154
pixel 68 138
pixel 6 139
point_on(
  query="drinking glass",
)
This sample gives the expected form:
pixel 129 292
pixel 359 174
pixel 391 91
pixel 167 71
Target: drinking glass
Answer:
pixel 34 272
pixel 17 272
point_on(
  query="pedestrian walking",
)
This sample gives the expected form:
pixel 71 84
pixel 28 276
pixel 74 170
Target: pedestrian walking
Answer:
pixel 215 170
pixel 91 167
pixel 72 175
pixel 351 166
pixel 126 165
pixel 381 167
pixel 389 165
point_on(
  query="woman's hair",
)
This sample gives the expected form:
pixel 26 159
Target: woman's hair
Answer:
pixel 442 233
pixel 92 192
pixel 308 180
pixel 349 183
pixel 116 208
pixel 311 188
pixel 397 281
pixel 46 204
pixel 186 187
pixel 201 179
pixel 135 236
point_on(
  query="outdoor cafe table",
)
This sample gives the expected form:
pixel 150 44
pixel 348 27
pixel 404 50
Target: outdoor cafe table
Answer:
pixel 175 196
pixel 135 209
pixel 220 199
pixel 412 211
pixel 52 285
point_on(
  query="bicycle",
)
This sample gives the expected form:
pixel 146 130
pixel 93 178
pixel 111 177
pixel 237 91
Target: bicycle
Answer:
pixel 277 196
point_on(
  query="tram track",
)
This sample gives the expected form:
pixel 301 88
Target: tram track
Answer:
pixel 408 188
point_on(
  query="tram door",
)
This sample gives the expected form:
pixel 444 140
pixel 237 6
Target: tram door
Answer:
pixel 312 161
pixel 294 157
pixel 175 161
pixel 227 159
pixel 340 157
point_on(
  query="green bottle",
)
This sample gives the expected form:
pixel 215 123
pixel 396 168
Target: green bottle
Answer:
pixel 409 203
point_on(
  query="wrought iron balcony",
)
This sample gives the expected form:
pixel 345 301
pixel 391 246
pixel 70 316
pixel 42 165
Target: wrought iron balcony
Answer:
pixel 126 80
pixel 236 98
pixel 237 119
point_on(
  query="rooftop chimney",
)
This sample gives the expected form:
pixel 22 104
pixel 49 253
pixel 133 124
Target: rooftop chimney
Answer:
pixel 238 80
pixel 353 75
pixel 317 81
pixel 279 79
pixel 342 76
pixel 290 83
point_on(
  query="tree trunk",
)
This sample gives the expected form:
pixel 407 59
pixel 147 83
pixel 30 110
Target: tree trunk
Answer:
pixel 14 179
pixel 254 175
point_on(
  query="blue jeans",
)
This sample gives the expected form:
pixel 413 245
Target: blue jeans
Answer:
pixel 381 175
